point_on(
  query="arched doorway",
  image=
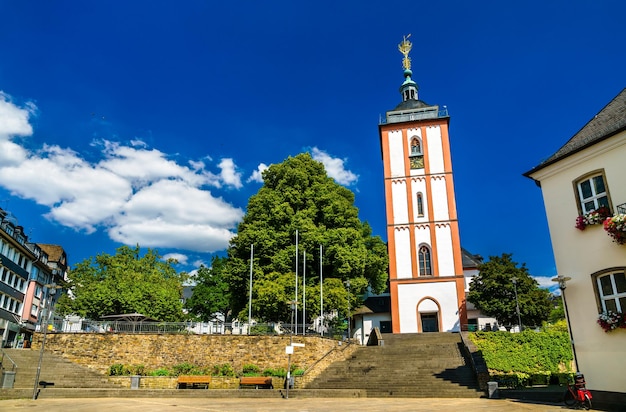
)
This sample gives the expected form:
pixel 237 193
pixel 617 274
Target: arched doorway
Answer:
pixel 428 315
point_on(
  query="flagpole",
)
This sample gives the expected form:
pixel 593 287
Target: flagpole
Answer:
pixel 304 294
pixel 321 296
pixel 296 298
pixel 250 293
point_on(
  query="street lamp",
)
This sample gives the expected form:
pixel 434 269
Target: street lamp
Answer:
pixel 519 318
pixel 50 289
pixel 562 285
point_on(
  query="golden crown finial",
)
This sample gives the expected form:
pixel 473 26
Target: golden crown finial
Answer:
pixel 405 48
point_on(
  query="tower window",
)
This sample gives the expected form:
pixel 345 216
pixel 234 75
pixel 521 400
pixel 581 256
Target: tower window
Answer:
pixel 420 205
pixel 416 147
pixel 416 156
pixel 425 267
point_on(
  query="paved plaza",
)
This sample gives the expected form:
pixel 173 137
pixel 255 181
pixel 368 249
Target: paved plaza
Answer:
pixel 275 405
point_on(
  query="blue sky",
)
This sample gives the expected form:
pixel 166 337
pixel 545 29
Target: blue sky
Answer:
pixel 148 121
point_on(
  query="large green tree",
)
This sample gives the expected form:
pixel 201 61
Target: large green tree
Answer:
pixel 210 294
pixel 298 195
pixel 126 282
pixel 492 291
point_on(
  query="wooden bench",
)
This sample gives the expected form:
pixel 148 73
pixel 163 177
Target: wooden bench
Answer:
pixel 255 382
pixel 193 381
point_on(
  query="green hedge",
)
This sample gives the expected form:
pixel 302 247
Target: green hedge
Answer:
pixel 526 358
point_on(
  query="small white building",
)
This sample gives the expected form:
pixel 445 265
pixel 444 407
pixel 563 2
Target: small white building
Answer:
pixel 584 180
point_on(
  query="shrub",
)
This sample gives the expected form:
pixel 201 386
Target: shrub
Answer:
pixel 262 330
pixel 250 370
pixel 137 370
pixel 278 373
pixel 185 369
pixel 160 372
pixel 118 369
pixel 528 352
pixel 223 370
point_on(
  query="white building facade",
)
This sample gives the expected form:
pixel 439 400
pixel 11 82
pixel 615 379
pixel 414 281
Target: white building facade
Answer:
pixel 589 174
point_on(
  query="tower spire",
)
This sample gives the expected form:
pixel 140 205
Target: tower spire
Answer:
pixel 405 49
pixel 409 88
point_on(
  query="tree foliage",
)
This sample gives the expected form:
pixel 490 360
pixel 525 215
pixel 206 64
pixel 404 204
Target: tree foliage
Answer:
pixel 126 282
pixel 298 195
pixel 210 295
pixel 492 291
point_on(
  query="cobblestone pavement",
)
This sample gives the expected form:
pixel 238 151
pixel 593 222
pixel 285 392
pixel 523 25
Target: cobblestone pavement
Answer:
pixel 274 405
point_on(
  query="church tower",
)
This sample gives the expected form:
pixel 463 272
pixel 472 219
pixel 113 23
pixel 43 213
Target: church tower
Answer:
pixel 427 284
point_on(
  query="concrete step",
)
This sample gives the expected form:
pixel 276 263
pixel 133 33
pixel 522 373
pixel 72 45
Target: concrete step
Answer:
pixel 51 393
pixel 62 372
pixel 411 365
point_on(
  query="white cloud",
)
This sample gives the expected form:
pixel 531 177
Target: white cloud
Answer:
pixel 545 282
pixel 136 194
pixel 179 257
pixel 14 121
pixel 335 167
pixel 257 175
pixel 229 173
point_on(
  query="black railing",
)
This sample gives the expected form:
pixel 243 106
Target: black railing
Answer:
pixel 621 209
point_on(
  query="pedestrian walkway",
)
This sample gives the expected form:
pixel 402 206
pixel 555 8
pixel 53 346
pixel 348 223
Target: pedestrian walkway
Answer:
pixel 275 405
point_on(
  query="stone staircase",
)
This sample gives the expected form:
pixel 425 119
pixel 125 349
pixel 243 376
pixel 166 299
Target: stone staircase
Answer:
pixel 426 365
pixel 62 372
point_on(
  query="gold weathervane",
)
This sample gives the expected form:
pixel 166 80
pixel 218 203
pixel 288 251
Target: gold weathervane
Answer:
pixel 405 48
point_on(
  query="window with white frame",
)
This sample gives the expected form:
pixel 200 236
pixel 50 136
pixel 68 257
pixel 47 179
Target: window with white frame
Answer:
pixel 592 193
pixel 611 289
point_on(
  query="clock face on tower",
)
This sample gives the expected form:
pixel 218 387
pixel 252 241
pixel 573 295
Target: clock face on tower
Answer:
pixel 417 162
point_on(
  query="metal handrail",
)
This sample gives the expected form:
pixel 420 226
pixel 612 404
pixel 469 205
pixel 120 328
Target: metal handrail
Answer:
pixel 62 325
pixel 621 208
pixel 14 367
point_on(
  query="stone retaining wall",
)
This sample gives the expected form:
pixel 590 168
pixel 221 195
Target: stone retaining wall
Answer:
pixel 100 351
pixel 169 382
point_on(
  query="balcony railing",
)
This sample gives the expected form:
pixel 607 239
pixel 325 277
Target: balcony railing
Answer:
pixel 621 208
pixel 428 113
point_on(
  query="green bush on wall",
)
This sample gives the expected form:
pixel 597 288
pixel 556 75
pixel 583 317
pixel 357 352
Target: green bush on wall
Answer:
pixel 526 358
pixel 223 370
pixel 118 369
pixel 159 372
pixel 250 370
pixel 186 368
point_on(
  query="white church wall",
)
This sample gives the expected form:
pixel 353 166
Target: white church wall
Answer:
pixel 396 153
pixel 439 197
pixel 443 292
pixel 445 255
pixel 403 253
pixel 398 193
pixel 435 149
